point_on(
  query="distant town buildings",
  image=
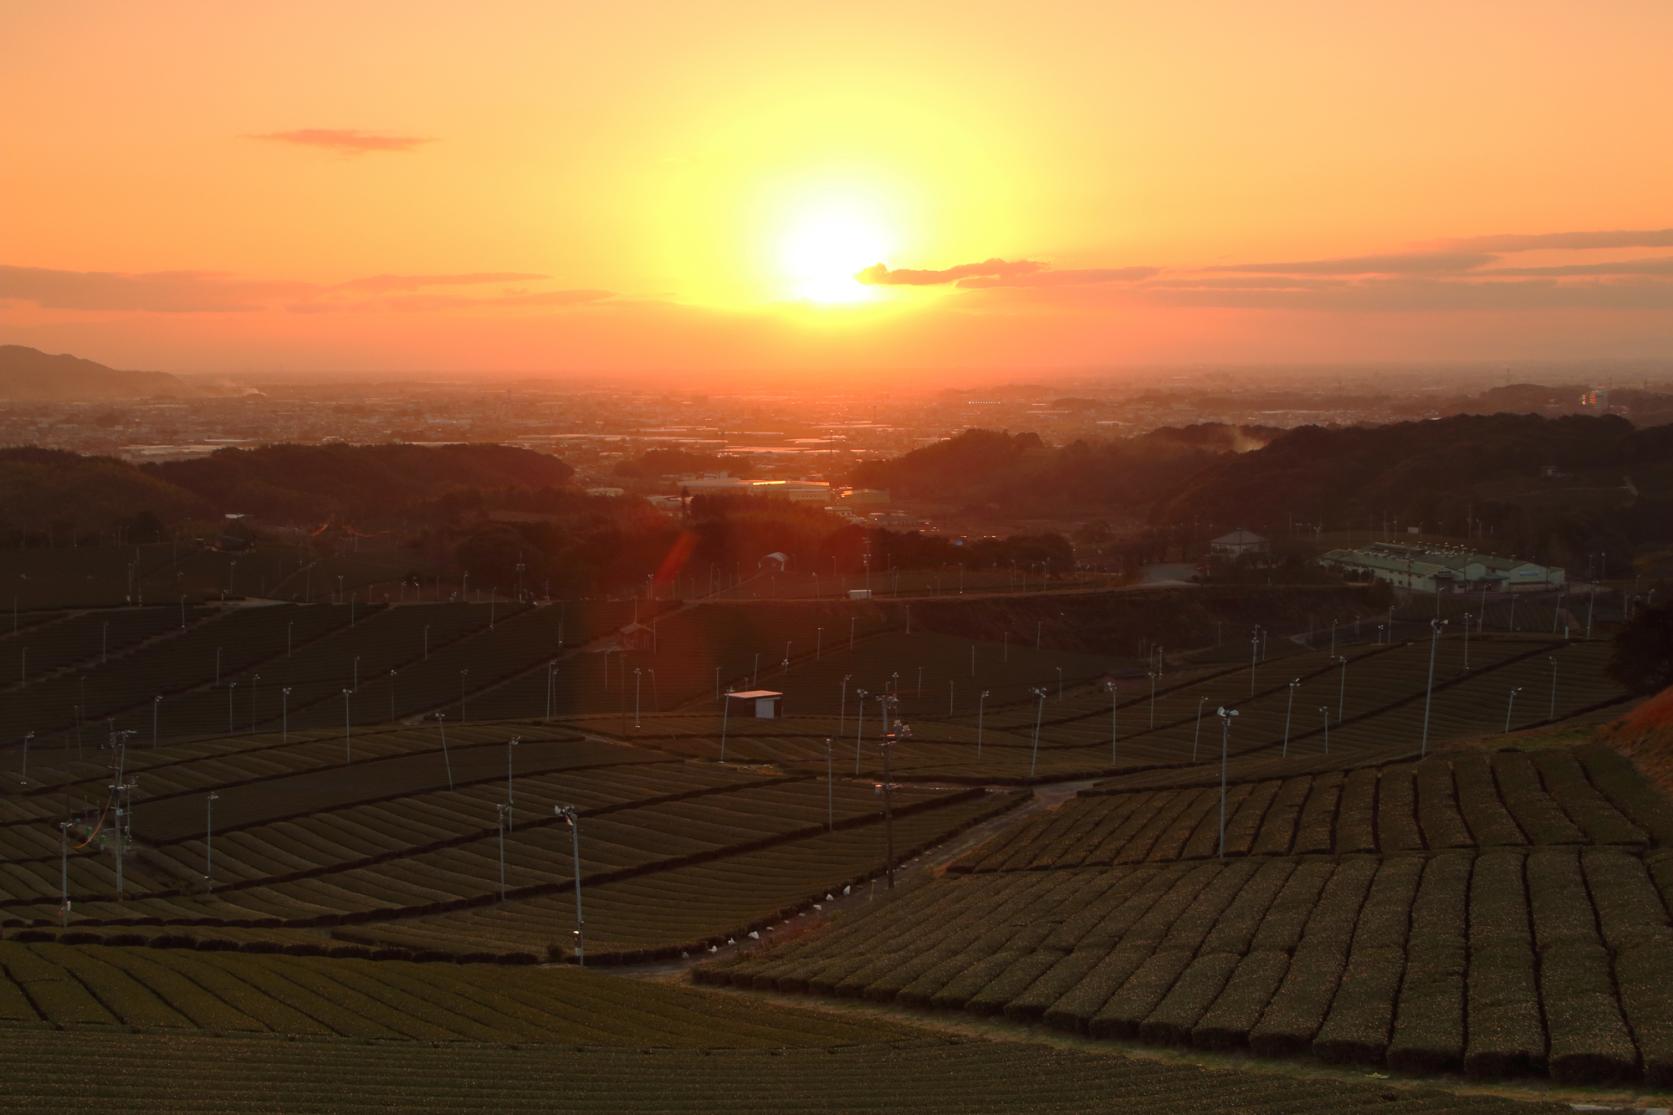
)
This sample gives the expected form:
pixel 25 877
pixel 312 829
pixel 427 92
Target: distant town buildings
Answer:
pixel 1424 569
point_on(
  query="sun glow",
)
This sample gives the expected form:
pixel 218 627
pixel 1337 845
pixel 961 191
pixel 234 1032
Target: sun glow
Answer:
pixel 823 246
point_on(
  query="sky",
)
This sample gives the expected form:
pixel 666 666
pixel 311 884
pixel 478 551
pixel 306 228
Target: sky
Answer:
pixel 815 191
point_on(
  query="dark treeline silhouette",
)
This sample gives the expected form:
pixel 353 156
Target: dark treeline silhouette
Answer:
pixel 1019 474
pixel 1552 488
pixel 299 482
pixel 1642 657
pixel 581 544
pixel 1555 489
pixel 656 463
pixel 50 496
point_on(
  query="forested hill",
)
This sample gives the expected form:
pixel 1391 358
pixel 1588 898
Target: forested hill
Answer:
pixel 1555 489
pixel 1559 487
pixel 1019 473
pixel 1432 472
pixel 299 483
pixel 46 490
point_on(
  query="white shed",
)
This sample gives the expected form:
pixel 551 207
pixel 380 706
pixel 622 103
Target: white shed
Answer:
pixel 763 704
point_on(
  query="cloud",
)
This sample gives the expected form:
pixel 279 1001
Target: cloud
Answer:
pixel 389 283
pixel 992 273
pixel 879 275
pixel 529 299
pixel 1567 241
pixel 151 292
pixel 170 292
pixel 1398 263
pixel 1082 276
pixel 347 141
pixel 1654 265
pixel 1432 294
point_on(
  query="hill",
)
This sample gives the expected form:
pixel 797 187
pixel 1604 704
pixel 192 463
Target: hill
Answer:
pixel 30 375
pixel 309 483
pixel 1556 486
pixel 50 494
pixel 1020 473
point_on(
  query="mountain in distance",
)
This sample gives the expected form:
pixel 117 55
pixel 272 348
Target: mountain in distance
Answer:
pixel 30 375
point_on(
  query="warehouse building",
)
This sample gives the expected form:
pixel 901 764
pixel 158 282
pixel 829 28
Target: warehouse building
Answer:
pixel 1424 569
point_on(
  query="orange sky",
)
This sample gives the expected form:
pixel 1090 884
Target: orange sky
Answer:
pixel 693 187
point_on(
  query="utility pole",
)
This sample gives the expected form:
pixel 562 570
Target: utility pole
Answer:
pixel 1110 688
pixel 447 760
pixel 572 817
pixel 209 839
pixel 830 783
pixel 1295 683
pixel 890 737
pixel 510 794
pixel 725 711
pixel 64 871
pixel 1225 715
pixel 504 818
pixel 1435 626
pixel 1039 712
pixel 1196 736
pixel 859 725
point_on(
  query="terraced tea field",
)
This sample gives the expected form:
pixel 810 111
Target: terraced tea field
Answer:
pixel 180 991
pixel 1461 800
pixel 1280 731
pixel 186 1029
pixel 409 841
pixel 916 1072
pixel 1494 914
pixel 335 815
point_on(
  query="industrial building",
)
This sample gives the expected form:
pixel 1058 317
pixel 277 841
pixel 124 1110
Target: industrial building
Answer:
pixel 1426 569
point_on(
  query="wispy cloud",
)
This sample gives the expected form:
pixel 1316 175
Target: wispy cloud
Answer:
pixel 1426 294
pixel 1469 274
pixel 347 141
pixel 219 293
pixel 1567 241
pixel 151 292
pixel 992 273
pixel 1077 276
pixel 390 283
pixel 509 300
pixel 1654 265
pixel 879 275
pixel 1398 263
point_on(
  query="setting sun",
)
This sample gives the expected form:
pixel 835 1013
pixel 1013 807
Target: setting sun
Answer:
pixel 822 249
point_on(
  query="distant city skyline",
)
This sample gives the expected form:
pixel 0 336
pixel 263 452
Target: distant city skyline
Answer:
pixel 684 190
